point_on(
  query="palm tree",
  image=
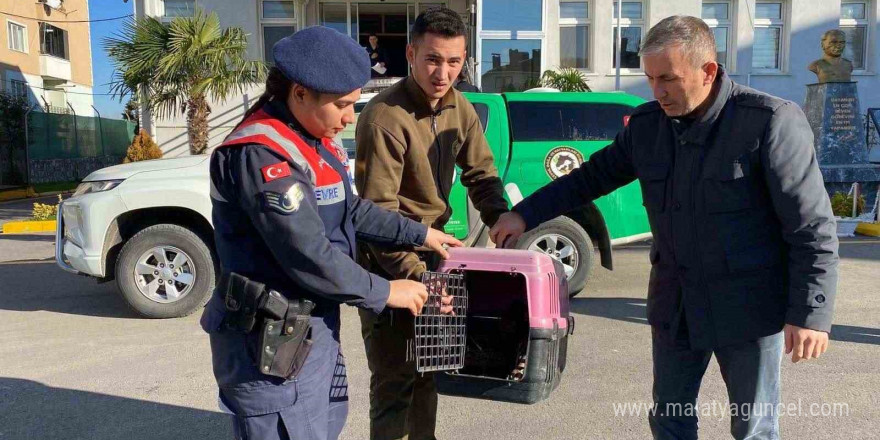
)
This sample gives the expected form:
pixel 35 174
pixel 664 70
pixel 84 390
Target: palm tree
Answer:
pixel 180 66
pixel 132 113
pixel 567 79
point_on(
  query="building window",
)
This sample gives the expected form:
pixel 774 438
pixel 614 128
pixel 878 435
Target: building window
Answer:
pixel 510 65
pixel 17 36
pixel 53 41
pixel 18 88
pixel 509 44
pixel 271 35
pixel 179 8
pixel 854 22
pixel 512 15
pixel 279 9
pixel 574 34
pixel 632 22
pixel 277 20
pixel 335 16
pixel 769 48
pixel 718 15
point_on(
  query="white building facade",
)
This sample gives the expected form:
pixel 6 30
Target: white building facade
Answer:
pixel 766 44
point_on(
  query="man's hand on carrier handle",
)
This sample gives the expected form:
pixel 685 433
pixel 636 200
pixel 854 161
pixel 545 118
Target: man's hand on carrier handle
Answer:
pixel 436 240
pixel 507 230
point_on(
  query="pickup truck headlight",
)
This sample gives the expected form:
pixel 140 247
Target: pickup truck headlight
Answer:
pixel 96 186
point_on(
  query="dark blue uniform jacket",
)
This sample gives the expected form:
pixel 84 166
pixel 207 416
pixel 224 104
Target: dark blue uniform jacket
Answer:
pixel 284 214
pixel 744 237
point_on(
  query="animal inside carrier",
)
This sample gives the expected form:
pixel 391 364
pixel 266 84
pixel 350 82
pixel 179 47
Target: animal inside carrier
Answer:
pixel 507 336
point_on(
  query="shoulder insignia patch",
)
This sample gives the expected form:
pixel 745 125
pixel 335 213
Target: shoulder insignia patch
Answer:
pixel 287 202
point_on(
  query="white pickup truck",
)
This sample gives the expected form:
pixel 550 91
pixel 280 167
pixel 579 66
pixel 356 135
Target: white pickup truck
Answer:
pixel 148 226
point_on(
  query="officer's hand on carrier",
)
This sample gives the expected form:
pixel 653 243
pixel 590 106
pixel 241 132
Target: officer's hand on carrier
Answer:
pixel 436 240
pixel 507 230
pixel 407 294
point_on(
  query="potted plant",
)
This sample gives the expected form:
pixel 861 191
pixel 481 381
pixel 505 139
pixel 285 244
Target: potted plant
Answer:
pixel 847 220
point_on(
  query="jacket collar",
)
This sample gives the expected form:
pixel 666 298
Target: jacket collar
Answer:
pixel 418 97
pixel 699 131
pixel 279 110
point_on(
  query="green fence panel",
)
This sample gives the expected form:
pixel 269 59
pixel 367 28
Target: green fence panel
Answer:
pixel 38 133
pixel 60 136
pixel 118 135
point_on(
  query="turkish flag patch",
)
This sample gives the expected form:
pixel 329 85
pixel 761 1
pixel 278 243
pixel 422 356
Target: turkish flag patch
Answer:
pixel 276 171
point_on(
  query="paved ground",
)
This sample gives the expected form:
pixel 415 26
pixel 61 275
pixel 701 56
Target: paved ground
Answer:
pixel 77 365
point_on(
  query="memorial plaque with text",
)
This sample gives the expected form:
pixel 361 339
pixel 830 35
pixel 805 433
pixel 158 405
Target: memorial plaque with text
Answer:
pixel 838 129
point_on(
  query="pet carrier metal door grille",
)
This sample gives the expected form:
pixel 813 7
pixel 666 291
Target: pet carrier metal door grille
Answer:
pixel 439 337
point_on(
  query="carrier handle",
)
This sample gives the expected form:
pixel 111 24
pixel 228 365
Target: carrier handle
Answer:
pixel 570 325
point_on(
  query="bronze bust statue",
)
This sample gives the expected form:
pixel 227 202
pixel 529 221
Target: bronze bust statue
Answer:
pixel 832 67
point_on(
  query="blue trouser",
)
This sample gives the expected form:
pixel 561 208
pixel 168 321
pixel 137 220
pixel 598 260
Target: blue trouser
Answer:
pixel 750 371
pixel 319 412
pixel 312 406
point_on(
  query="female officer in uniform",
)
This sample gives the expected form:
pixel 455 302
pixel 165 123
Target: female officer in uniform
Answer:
pixel 285 216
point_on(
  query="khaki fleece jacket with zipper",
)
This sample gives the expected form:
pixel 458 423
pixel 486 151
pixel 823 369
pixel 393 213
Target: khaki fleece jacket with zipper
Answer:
pixel 406 157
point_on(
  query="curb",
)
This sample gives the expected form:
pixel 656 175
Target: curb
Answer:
pixel 871 229
pixel 13 194
pixel 24 227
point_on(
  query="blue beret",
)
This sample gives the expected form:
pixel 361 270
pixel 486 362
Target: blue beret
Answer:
pixel 322 59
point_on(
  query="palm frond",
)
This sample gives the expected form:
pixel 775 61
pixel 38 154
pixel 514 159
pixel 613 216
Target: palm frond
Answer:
pixel 187 60
pixel 566 79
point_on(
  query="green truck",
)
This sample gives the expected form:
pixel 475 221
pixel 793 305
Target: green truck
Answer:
pixel 537 137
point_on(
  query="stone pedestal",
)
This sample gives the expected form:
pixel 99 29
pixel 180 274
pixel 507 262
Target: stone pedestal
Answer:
pixel 874 124
pixel 838 128
pixel 839 138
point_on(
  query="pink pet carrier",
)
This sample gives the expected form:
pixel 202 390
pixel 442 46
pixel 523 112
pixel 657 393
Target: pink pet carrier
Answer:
pixel 508 336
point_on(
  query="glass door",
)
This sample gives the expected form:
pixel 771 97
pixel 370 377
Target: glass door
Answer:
pixel 340 16
pixel 385 25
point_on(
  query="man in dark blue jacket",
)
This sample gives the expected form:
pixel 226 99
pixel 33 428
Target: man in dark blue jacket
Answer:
pixel 285 216
pixel 744 258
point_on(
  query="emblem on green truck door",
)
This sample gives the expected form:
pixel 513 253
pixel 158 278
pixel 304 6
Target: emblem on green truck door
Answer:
pixel 561 161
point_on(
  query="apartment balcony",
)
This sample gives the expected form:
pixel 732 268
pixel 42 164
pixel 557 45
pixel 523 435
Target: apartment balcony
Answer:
pixel 52 67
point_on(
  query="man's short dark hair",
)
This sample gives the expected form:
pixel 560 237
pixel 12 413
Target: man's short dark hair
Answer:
pixel 440 21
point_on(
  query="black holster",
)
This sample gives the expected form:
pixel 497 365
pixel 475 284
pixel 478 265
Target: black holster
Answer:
pixel 284 328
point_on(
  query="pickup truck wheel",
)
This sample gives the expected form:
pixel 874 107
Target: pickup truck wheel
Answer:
pixel 165 271
pixel 565 240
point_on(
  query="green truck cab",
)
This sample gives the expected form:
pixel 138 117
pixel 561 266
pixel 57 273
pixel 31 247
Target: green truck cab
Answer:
pixel 537 137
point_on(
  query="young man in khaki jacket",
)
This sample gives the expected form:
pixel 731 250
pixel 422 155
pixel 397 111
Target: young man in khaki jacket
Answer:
pixel 409 139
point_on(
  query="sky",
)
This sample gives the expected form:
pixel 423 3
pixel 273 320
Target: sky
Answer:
pixel 102 67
